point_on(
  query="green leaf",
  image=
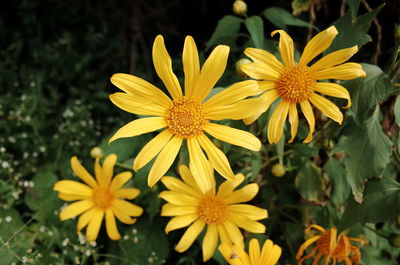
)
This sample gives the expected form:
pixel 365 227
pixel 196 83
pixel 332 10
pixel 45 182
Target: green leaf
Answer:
pixel 381 203
pixel 300 6
pixel 282 18
pixel 368 152
pixel 353 31
pixel 337 175
pixel 226 32
pixel 309 182
pixel 255 26
pixel 397 111
pixel 367 92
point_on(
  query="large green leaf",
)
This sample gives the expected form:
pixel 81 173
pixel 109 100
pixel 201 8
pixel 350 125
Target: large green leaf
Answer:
pixel 255 26
pixel 381 203
pixel 309 182
pixel 281 18
pixel 367 92
pixel 226 32
pixel 353 31
pixel 337 175
pixel 368 152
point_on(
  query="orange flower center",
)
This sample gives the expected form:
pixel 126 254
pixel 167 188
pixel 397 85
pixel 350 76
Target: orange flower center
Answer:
pixel 295 84
pixel 102 198
pixel 324 242
pixel 186 118
pixel 212 210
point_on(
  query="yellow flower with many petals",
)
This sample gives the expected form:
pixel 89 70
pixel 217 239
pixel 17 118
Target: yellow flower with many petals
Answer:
pixel 99 198
pixel 330 247
pixel 223 212
pixel 268 255
pixel 296 83
pixel 185 117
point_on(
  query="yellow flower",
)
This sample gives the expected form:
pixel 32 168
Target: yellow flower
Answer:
pixel 98 198
pixel 330 247
pixel 268 255
pixel 185 117
pixel 223 212
pixel 296 83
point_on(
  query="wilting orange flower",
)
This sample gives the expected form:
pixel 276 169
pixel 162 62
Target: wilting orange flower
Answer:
pixel 296 83
pixel 331 247
pixel 103 197
pixel 187 116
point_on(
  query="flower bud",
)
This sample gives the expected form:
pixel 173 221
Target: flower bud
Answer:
pixel 96 152
pixel 240 8
pixel 278 170
pixel 239 65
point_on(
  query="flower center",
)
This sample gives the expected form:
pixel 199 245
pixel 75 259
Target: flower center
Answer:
pixel 295 84
pixel 186 118
pixel 102 198
pixel 212 210
pixel 323 242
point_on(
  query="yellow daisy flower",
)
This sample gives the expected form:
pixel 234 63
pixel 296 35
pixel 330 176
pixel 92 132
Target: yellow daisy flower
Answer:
pixel 99 198
pixel 223 212
pixel 331 247
pixel 185 117
pixel 268 255
pixel 296 83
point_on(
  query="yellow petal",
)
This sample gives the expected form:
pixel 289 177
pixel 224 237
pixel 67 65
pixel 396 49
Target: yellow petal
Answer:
pixel 247 224
pixel 260 71
pixel 163 65
pixel 140 126
pixel 286 47
pixel 180 221
pixel 199 166
pixel 127 207
pixel 108 168
pixel 129 194
pixel 226 251
pixel 265 102
pixel 265 85
pixel 254 251
pixel 277 121
pixel 223 235
pixel 164 160
pixel 305 245
pixel 334 90
pixel 244 194
pixel 210 242
pixel 234 233
pixel 119 180
pixel 85 218
pixel 93 227
pixel 327 107
pixel 98 171
pixel 111 226
pixel 177 185
pixel 233 136
pixel 265 57
pixel 191 65
pixel 272 256
pixel 211 72
pixel 137 105
pixel 136 86
pixel 309 114
pixel 123 217
pixel 345 71
pixel 315 226
pixel 332 242
pixel 82 173
pixel 233 94
pixel 190 236
pixel 178 198
pixel 188 178
pixel 151 149
pixel 75 209
pixel 241 255
pixel 249 211
pixel 227 187
pixel 169 209
pixel 294 120
pixel 334 58
pixel 73 188
pixel 71 197
pixel 217 158
pixel 318 44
